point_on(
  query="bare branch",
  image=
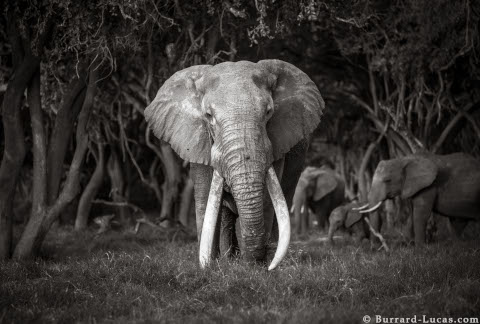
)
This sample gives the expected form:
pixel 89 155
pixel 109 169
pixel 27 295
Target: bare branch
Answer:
pixel 377 234
pixel 451 125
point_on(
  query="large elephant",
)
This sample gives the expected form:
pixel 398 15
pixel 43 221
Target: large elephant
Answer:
pixel 346 216
pixel 242 126
pixel 445 184
pixel 319 189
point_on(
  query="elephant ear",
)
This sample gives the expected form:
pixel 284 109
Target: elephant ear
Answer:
pixel 298 106
pixel 175 115
pixel 326 183
pixel 419 173
pixel 353 217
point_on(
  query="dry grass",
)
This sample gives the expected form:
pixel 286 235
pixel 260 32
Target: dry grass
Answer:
pixel 127 278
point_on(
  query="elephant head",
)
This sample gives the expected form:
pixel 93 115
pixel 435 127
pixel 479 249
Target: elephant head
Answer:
pixel 345 215
pixel 315 183
pixel 404 176
pixel 238 118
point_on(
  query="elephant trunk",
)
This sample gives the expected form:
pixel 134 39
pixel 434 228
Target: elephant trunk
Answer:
pixel 376 196
pixel 244 158
pixel 250 211
pixel 247 190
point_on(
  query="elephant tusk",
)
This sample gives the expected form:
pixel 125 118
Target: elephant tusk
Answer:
pixel 210 220
pixel 293 208
pixel 371 209
pixel 302 209
pixel 283 218
pixel 361 207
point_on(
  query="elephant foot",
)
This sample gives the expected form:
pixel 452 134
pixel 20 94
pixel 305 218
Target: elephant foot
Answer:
pixel 228 242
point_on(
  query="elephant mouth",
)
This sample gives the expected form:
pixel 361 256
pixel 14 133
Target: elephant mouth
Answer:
pixel 213 207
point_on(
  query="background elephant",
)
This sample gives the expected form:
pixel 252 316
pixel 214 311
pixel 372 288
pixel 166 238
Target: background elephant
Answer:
pixel 446 184
pixel 350 219
pixel 319 189
pixel 242 126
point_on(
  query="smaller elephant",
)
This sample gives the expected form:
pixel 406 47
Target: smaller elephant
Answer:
pixel 319 189
pixel 346 216
pixel 445 184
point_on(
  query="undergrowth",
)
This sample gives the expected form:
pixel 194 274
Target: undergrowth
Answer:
pixel 129 278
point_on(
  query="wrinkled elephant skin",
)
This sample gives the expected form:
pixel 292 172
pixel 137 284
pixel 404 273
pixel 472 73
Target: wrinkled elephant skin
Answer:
pixel 248 122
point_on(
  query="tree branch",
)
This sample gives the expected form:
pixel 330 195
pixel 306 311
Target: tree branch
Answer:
pixel 452 124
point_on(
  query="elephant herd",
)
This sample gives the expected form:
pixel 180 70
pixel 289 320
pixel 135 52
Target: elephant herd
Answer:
pixel 447 185
pixel 244 128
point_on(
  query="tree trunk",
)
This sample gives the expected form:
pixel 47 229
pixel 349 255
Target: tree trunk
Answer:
pixel 90 191
pixel 61 134
pixel 117 183
pixel 39 197
pixel 362 185
pixel 39 146
pixel 42 219
pixel 14 149
pixel 186 202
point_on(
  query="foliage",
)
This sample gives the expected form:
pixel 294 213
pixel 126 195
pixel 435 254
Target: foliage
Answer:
pixel 420 58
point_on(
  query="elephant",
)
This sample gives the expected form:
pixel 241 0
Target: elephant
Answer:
pixel 445 184
pixel 348 217
pixel 319 189
pixel 244 128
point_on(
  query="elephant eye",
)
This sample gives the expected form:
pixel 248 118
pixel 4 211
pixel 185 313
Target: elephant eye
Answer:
pixel 269 110
pixel 210 118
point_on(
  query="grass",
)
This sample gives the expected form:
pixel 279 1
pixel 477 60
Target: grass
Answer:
pixel 121 278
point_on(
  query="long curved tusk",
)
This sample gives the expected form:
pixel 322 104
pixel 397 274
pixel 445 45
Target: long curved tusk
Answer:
pixel 283 218
pixel 371 209
pixel 361 207
pixel 210 220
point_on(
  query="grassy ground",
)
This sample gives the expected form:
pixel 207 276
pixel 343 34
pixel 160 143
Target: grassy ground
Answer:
pixel 127 278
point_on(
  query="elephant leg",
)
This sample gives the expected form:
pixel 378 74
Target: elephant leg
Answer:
pixel 458 225
pixel 320 208
pixel 294 163
pixel 269 215
pixel 304 219
pixel 325 221
pixel 228 243
pixel 299 214
pixel 375 221
pixel 202 178
pixel 270 221
pixel 298 220
pixel 422 209
pixel 358 232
